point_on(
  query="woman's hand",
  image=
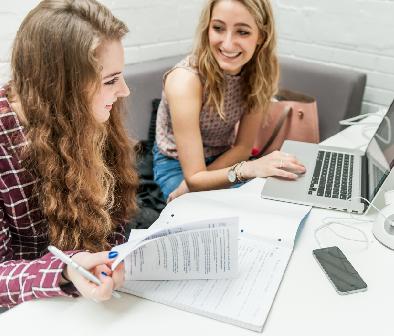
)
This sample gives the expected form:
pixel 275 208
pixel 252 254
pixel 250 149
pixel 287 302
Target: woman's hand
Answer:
pixel 182 189
pixel 274 164
pixel 100 265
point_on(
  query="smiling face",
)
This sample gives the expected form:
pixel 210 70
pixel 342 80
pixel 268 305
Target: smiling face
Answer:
pixel 233 35
pixel 111 58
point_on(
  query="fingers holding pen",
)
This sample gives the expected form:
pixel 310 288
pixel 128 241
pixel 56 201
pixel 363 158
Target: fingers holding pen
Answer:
pixel 95 292
pixel 118 276
pixel 99 264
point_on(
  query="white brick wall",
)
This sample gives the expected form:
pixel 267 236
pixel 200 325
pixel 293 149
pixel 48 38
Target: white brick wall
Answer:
pixel 158 28
pixel 355 34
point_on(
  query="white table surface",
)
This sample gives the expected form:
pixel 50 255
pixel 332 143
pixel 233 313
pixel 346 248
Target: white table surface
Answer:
pixel 306 303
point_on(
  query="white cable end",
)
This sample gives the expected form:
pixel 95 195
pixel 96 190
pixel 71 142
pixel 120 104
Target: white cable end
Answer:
pixel 389 197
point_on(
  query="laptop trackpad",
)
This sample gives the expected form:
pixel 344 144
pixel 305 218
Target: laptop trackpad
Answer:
pixel 296 190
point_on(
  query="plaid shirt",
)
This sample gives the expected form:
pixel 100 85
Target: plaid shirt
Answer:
pixel 27 270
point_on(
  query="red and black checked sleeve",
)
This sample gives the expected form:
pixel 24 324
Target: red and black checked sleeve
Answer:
pixel 22 280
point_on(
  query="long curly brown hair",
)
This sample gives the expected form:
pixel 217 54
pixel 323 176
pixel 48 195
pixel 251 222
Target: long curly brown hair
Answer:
pixel 261 73
pixel 86 179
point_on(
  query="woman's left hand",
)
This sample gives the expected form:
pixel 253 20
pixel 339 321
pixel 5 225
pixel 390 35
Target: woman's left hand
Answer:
pixel 182 189
pixel 277 164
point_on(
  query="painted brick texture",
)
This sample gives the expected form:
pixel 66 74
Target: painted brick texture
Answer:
pixel 354 34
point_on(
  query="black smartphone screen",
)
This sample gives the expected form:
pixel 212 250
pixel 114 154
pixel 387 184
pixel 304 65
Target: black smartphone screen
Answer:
pixel 339 270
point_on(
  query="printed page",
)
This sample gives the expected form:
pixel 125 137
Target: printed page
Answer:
pixel 244 301
pixel 198 250
pixel 265 218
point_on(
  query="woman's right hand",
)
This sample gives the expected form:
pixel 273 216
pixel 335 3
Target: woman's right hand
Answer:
pixel 179 191
pixel 277 163
pixel 99 264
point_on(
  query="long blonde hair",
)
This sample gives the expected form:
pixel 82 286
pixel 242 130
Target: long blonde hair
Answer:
pixel 86 181
pixel 260 73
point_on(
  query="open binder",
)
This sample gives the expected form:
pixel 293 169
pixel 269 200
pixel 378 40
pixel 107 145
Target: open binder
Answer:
pixel 268 231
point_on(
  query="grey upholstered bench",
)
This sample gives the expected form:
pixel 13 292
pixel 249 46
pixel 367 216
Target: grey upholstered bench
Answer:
pixel 338 91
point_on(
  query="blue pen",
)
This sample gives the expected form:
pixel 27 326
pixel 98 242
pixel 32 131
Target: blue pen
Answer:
pixel 86 274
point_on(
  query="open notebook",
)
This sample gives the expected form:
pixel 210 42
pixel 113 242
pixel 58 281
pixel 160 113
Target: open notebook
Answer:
pixel 268 232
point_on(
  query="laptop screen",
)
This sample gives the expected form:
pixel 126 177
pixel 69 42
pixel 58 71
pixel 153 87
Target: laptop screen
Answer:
pixel 380 153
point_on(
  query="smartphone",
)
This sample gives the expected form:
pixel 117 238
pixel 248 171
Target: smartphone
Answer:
pixel 339 270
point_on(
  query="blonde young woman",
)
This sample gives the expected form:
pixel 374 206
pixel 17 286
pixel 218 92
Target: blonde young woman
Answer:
pixel 66 172
pixel 230 77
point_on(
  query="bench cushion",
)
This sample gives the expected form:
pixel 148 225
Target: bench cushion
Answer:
pixel 338 92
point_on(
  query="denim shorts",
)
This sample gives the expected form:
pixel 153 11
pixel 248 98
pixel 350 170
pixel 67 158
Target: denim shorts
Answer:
pixel 167 171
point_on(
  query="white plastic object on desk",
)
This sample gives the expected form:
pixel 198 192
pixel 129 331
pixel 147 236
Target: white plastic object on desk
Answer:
pixel 383 228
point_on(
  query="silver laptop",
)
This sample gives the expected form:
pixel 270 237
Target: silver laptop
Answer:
pixel 336 178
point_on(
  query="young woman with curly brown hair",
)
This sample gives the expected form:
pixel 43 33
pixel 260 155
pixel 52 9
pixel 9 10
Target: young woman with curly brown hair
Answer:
pixel 229 78
pixel 67 174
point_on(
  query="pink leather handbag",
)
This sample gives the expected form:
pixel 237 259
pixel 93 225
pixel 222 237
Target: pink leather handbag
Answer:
pixel 293 117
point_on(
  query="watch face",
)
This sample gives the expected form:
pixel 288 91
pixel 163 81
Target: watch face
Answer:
pixel 231 175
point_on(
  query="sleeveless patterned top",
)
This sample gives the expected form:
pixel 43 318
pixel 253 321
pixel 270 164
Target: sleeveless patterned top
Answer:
pixel 217 135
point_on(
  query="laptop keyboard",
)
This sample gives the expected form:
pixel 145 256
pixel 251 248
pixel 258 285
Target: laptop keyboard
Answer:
pixel 332 176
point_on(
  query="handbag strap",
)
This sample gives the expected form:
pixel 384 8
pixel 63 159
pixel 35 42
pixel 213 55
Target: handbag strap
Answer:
pixel 286 111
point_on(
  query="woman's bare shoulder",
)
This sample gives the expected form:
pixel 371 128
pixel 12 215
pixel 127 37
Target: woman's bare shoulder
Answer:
pixel 181 82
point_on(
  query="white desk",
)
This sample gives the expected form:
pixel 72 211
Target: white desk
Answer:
pixel 306 302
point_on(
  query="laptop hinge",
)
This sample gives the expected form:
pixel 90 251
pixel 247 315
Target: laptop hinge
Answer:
pixel 364 177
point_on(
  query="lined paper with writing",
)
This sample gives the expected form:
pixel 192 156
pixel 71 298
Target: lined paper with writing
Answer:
pixel 244 301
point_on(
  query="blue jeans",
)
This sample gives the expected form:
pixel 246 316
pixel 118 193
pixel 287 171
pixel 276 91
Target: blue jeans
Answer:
pixel 167 172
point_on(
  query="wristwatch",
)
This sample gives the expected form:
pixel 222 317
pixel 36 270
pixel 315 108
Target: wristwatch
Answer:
pixel 238 173
pixel 231 174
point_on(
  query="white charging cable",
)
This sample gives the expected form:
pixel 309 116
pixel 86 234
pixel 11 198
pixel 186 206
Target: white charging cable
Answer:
pixel 356 120
pixel 368 125
pixel 328 221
